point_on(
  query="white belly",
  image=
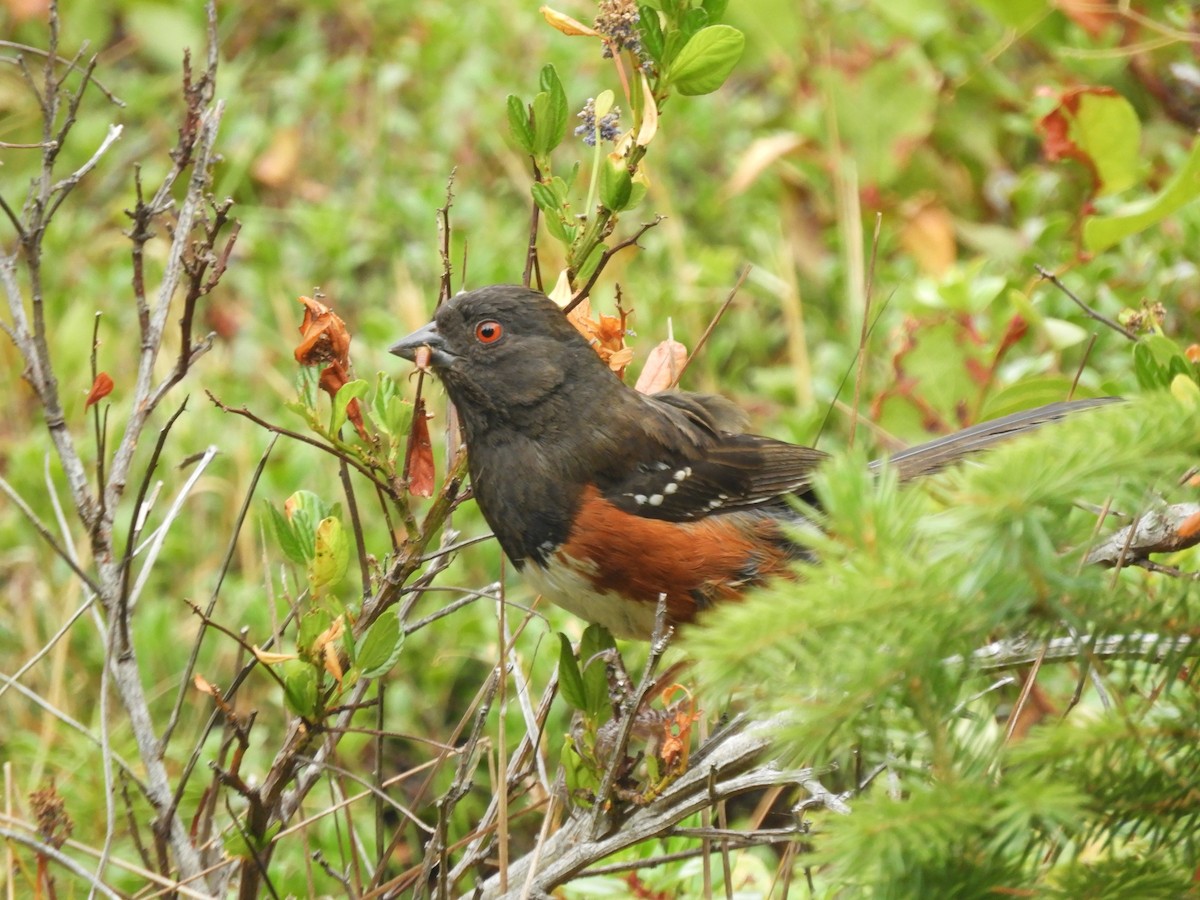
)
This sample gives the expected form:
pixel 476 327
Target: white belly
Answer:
pixel 570 588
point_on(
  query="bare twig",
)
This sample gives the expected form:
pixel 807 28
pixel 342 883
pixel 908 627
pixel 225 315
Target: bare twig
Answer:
pixel 1049 276
pixel 1164 530
pixel 712 325
pixel 632 703
pixel 582 293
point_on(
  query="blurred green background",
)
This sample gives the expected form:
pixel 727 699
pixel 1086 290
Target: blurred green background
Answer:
pixel 342 124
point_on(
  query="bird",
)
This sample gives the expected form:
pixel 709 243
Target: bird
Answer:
pixel 605 498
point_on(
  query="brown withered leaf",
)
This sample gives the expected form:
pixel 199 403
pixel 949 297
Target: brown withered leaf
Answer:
pixel 662 368
pixel 676 737
pixel 323 335
pixel 204 686
pixel 101 388
pixel 327 643
pixel 324 338
pixel 606 334
pixel 418 458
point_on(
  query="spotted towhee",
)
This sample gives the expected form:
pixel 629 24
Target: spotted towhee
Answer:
pixel 605 498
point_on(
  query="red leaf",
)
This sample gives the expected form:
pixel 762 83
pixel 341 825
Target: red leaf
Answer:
pixel 418 458
pixel 101 388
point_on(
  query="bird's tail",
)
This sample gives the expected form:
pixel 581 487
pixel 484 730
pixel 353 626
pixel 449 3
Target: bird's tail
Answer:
pixel 944 451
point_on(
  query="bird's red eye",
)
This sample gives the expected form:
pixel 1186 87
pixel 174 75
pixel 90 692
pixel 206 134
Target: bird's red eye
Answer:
pixel 489 331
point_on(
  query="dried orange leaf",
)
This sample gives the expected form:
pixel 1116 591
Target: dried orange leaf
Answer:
pixel 323 336
pixel 566 24
pixel 662 368
pixel 606 334
pixel 204 686
pixel 418 458
pixel 271 659
pixel 101 388
pixel 1190 526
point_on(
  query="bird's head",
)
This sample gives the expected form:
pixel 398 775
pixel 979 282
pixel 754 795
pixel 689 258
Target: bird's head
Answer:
pixel 504 354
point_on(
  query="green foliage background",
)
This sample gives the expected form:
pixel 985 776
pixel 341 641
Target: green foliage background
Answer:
pixel 342 124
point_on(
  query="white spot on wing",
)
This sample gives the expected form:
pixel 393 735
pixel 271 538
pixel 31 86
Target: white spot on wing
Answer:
pixel 656 499
pixel 671 488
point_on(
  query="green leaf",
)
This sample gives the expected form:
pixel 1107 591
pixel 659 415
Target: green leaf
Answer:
pixel 391 412
pixel 381 645
pixel 351 390
pixel 293 548
pixel 707 59
pixel 692 21
pixel 650 29
pixel 313 624
pixel 303 511
pixel 518 123
pixel 1101 232
pixel 331 556
pixel 616 184
pixel 715 9
pixel 543 196
pixel 300 688
pixel 570 682
pixel 549 114
pixel 596 640
pixel 1106 128
pixel 588 266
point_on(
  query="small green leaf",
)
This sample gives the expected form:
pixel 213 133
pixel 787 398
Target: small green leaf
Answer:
pixel 549 114
pixel 351 390
pixel 707 59
pixel 543 196
pixel 289 541
pixel 715 9
pixel 391 412
pixel 693 21
pixel 650 29
pixel 1145 368
pixel 588 266
pixel 518 123
pixel 1106 128
pixel 596 640
pixel 616 184
pixel 312 625
pixel 1102 232
pixel 570 682
pixel 381 645
pixel 303 510
pixel 331 556
pixel 300 688
pixel 1186 391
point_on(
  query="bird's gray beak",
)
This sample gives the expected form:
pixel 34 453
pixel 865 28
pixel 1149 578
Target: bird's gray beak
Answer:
pixel 424 337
